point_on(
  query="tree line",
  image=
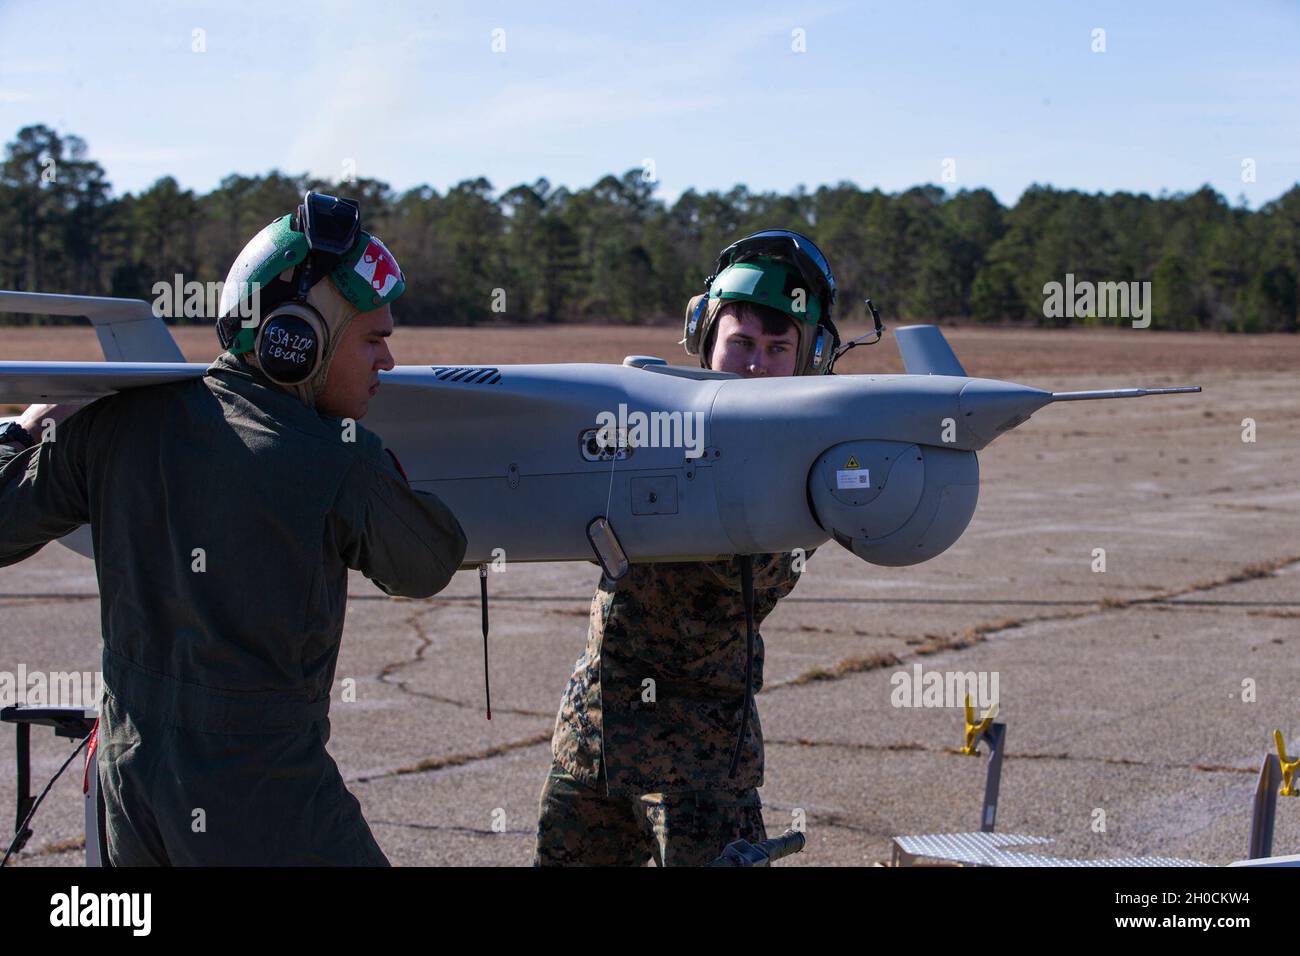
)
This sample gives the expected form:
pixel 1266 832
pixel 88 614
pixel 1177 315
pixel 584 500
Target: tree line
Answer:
pixel 614 252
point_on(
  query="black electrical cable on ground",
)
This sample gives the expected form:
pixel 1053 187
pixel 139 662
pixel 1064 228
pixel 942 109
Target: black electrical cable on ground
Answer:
pixel 32 812
pixel 747 594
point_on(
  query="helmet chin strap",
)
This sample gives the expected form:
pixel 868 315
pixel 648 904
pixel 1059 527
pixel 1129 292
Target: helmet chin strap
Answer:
pixel 879 333
pixel 306 392
pixel 310 390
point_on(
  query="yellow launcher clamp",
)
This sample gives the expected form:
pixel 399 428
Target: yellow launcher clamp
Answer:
pixel 1288 768
pixel 975 730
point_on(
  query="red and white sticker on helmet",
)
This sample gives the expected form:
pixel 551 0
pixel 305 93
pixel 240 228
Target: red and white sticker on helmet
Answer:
pixel 378 267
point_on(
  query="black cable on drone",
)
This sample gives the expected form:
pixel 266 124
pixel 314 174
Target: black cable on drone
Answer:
pixel 32 812
pixel 487 686
pixel 747 594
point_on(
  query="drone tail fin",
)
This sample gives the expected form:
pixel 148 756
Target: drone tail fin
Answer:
pixel 926 352
pixel 128 330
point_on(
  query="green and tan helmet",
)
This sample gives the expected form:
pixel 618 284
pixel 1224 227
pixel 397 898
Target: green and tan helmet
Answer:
pixel 765 280
pixel 776 283
pixel 283 261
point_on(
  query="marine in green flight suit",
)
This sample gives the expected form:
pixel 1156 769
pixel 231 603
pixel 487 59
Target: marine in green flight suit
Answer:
pixel 225 513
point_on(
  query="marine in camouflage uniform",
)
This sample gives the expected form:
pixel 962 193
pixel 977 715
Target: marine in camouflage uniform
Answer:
pixel 644 738
pixel 647 726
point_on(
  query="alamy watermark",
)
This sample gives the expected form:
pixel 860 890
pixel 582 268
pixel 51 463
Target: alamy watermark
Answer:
pixel 50 688
pixel 921 688
pixel 1102 300
pixel 658 429
pixel 129 910
pixel 204 300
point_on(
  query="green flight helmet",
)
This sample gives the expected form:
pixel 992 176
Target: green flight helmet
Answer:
pixel 295 251
pixel 776 283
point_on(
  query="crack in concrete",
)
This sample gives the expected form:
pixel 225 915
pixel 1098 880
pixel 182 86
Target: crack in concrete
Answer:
pixel 54 848
pixel 1012 755
pixel 933 644
pixel 806 742
pixel 430 764
pixel 1251 572
pixel 425 642
pixel 837 632
pixel 450 828
pixel 979 633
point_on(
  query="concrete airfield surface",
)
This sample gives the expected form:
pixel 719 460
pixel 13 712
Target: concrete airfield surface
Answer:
pixel 1122 690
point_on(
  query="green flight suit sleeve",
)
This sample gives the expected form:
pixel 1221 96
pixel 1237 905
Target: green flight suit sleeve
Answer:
pixel 406 541
pixel 43 489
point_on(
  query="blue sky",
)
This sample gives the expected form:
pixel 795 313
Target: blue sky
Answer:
pixel 712 94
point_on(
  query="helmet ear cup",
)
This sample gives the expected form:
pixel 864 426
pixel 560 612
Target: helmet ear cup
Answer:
pixel 826 341
pixel 291 342
pixel 819 354
pixel 694 326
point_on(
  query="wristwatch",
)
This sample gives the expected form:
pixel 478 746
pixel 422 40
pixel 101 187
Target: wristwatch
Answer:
pixel 11 433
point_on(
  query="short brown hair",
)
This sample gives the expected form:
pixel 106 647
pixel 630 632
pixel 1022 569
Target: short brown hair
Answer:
pixel 774 321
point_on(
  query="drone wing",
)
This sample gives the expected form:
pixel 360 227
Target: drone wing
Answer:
pixel 23 383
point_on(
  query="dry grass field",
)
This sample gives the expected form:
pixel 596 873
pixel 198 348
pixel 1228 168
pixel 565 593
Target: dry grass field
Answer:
pixel 987 352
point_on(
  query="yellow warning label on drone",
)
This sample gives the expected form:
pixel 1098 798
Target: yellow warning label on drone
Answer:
pixel 852 462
